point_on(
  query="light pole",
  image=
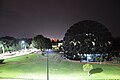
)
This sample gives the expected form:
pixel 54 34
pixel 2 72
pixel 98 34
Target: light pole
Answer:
pixel 23 45
pixel 3 50
pixel 47 65
pixel 2 46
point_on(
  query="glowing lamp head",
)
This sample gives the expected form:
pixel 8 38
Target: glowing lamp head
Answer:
pixel 22 42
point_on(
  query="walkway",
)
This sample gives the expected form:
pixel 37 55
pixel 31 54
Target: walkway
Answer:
pixel 17 53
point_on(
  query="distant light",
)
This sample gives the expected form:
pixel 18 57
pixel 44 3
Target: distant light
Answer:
pixel 74 43
pixel 105 44
pixel 74 56
pixel 54 39
pixel 94 39
pixel 89 33
pixel 86 34
pixel 22 41
pixel 109 42
pixel 48 50
pixel 78 54
pixel 79 42
pixel 93 43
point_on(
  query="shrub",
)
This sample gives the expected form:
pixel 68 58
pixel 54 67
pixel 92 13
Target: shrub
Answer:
pixel 1 61
pixel 87 67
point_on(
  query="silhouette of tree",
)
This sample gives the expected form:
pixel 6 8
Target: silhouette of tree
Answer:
pixel 48 43
pixel 86 37
pixel 116 43
pixel 41 42
pixel 116 47
pixel 10 43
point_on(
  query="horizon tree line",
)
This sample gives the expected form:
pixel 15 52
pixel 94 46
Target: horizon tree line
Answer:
pixel 9 44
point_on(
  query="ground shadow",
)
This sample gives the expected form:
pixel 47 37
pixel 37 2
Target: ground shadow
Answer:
pixel 96 70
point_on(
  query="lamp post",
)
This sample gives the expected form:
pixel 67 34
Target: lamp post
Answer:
pixel 3 50
pixel 47 65
pixel 23 45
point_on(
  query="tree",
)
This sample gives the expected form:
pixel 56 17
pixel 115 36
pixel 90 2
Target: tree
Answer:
pixel 29 42
pixel 41 42
pixel 48 43
pixel 86 37
pixel 9 43
pixel 38 41
pixel 116 47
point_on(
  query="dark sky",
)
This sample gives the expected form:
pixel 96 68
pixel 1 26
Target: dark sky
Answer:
pixel 52 18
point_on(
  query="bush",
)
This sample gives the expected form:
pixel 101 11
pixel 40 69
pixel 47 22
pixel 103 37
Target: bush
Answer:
pixel 116 60
pixel 87 67
pixel 1 61
pixel 99 59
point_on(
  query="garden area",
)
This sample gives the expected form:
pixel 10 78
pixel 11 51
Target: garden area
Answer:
pixel 33 66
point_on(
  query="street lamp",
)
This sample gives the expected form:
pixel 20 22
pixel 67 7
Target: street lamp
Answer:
pixel 1 46
pixel 23 44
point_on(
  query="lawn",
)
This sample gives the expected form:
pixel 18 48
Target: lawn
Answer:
pixel 33 66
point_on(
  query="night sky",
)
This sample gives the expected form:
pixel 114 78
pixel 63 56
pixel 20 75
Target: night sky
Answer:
pixel 52 18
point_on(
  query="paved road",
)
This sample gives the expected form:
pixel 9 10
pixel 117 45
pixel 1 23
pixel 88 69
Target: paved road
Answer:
pixel 17 53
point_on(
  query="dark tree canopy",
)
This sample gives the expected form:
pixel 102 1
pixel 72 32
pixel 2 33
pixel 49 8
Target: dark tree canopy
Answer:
pixel 87 37
pixel 116 44
pixel 41 42
pixel 89 26
pixel 9 43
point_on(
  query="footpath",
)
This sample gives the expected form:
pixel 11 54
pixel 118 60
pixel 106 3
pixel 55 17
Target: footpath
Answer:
pixel 17 53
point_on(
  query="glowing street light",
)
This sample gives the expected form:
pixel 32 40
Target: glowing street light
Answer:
pixel 1 46
pixel 23 44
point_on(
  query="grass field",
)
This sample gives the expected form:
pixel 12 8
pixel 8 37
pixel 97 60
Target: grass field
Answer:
pixel 33 66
